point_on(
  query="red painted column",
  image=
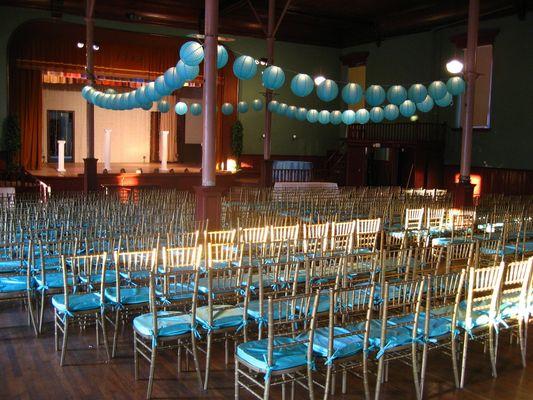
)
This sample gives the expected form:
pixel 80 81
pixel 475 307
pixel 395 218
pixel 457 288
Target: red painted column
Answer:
pixel 208 196
pixel 464 189
pixel 90 177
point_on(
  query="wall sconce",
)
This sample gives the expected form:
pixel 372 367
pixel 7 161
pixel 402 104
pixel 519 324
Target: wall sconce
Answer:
pixel 139 171
pixel 263 135
pixel 294 137
pixel 80 45
pixel 454 66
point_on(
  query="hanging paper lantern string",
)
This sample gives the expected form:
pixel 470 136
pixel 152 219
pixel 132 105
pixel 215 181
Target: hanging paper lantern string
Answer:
pixel 348 117
pixel 377 114
pixel 335 117
pixel 244 67
pixel 426 105
pixel 417 93
pixel 227 109
pixel 273 106
pixel 362 116
pixel 302 85
pixel 187 72
pixel 196 109
pixel 455 85
pixel 163 106
pixel 242 107
pixel 257 105
pixel 312 116
pixel 352 93
pixel 375 95
pixel 282 108
pixel 445 101
pixel 181 108
pixel 323 117
pixel 273 77
pixel 192 53
pixel 437 90
pixel 327 90
pixel 407 108
pixel 301 114
pixel 222 56
pixel 396 95
pixel 391 112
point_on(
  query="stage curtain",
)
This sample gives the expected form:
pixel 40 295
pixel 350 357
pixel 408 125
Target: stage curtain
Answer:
pixel 25 101
pixel 155 118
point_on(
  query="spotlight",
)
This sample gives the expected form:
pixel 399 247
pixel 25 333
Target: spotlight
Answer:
pixel 319 79
pixel 454 66
pixel 139 171
pixel 294 136
pixel 414 118
pixel 263 136
pixel 96 47
pixel 80 45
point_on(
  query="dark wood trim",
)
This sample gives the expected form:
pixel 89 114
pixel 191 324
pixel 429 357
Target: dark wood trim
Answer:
pixel 485 37
pixel 354 59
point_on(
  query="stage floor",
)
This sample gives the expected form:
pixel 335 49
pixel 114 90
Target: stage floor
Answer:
pixel 76 169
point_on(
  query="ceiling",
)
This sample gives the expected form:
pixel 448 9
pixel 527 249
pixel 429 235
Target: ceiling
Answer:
pixel 334 23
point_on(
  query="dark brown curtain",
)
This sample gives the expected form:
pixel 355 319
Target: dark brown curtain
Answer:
pixel 155 123
pixel 25 101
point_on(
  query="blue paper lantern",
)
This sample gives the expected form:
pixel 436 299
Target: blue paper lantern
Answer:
pixel 187 72
pixel 172 79
pixel 131 102
pixel 375 95
pixel 302 85
pixel 348 117
pixel 273 106
pixel 301 114
pixel 362 116
pixel 113 102
pixel 417 93
pixel 327 90
pixel 323 117
pixel 160 86
pixel 291 112
pixel 192 53
pixel 99 99
pixel 147 106
pixel 426 105
pixel 163 106
pixel 140 95
pixel 282 108
pixel 242 107
pixel 437 90
pixel 391 112
pixel 227 108
pixel 335 117
pixel 352 93
pixel 181 108
pixel 151 93
pixel 91 94
pixel 123 102
pixel 244 67
pixel 196 109
pixel 110 91
pixel 445 101
pixel 107 101
pixel 86 91
pixel 455 85
pixel 222 56
pixel 273 77
pixel 377 114
pixel 407 108
pixel 257 105
pixel 396 94
pixel 312 116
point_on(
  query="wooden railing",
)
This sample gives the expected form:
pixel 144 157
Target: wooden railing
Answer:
pixel 397 133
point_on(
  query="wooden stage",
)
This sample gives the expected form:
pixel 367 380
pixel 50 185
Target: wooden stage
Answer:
pixel 180 176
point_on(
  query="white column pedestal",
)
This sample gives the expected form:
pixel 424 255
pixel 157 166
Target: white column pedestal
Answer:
pixel 107 149
pixel 163 150
pixel 61 156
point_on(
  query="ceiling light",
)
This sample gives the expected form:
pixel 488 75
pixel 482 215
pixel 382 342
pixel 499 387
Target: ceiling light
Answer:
pixel 414 118
pixel 80 45
pixel 319 79
pixel 454 66
pixel 96 47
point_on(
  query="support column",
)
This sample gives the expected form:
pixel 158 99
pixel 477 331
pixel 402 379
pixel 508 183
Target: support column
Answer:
pixel 107 149
pixel 163 151
pixel 61 156
pixel 464 189
pixel 90 177
pixel 208 196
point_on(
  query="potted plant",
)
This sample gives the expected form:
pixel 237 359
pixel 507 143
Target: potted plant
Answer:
pixel 236 141
pixel 12 144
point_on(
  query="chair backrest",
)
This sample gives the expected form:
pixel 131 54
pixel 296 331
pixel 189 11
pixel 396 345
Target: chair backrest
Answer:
pixel 516 285
pixel 134 266
pixel 316 231
pixel 84 265
pixel 342 236
pixel 220 237
pixel 444 293
pixel 366 233
pixel 223 255
pixel 284 232
pixel 435 218
pixel 181 257
pixel 183 239
pixel 459 255
pixel 413 218
pixel 254 235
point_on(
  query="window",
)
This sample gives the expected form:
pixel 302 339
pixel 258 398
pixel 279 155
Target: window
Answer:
pixel 60 127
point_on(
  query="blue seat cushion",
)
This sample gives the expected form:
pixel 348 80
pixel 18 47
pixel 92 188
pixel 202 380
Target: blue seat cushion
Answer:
pixel 289 356
pixel 343 346
pixel 54 280
pixel 254 313
pixel 169 323
pixel 438 326
pixel 128 295
pixel 224 316
pixel 77 302
pixel 13 283
pixel 396 335
pixel 136 275
pixel 110 277
pixel 8 266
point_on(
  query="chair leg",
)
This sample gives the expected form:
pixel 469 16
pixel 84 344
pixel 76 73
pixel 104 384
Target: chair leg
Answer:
pixel 97 330
pixel 135 357
pixel 423 369
pixel 152 370
pixel 328 381
pixel 41 310
pixel 310 381
pixel 31 315
pixel 366 384
pixel 266 393
pixel 522 332
pixel 454 361
pixel 463 363
pixel 207 360
pixel 194 349
pixel 493 339
pixel 115 333
pixel 65 338
pixel 56 337
pixel 236 381
pixel 104 333
pixel 379 379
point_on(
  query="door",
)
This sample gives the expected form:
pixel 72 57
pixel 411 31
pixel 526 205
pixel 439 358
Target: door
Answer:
pixel 60 127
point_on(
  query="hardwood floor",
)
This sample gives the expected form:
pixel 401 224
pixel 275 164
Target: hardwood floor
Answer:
pixel 29 369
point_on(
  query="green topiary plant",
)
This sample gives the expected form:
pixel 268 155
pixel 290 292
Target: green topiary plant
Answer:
pixel 236 140
pixel 12 144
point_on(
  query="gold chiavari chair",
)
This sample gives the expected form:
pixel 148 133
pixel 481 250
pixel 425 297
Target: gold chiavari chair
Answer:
pixel 367 233
pixel 342 236
pixel 219 237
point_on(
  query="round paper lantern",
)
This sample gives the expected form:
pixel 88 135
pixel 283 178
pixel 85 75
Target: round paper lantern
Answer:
pixel 362 116
pixel 273 77
pixel 407 108
pixel 242 107
pixel 147 106
pixel 172 79
pixel 106 103
pixel 327 90
pixel 282 108
pixel 391 112
pixel 244 67
pixel 192 53
pixel 257 105
pixel 97 96
pixel 291 112
pixel 160 86
pixel 187 72
pixel 375 95
pixel 123 101
pixel 132 103
pixel 455 85
pixel 110 91
pixel 91 94
pixel 335 117
pixel 426 105
pixel 196 109
pixel 348 117
pixel 437 90
pixel 302 85
pixel 352 93
pixel 86 91
pixel 445 101
pixel 227 108
pixel 112 103
pixel 163 106
pixel 312 116
pixel 181 108
pixel 273 106
pixel 151 93
pixel 323 117
pixel 377 114
pixel 140 95
pixel 417 93
pixel 301 114
pixel 396 94
pixel 222 56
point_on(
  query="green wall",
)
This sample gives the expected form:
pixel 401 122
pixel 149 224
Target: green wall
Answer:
pixel 312 139
pixel 422 57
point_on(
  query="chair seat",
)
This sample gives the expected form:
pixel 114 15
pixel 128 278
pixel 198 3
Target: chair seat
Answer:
pixel 286 357
pixel 224 316
pixel 254 313
pixel 397 336
pixel 13 283
pixel 438 326
pixel 128 295
pixel 110 277
pixel 54 280
pixel 8 266
pixel 343 346
pixel 169 323
pixel 77 302
pixel 176 293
